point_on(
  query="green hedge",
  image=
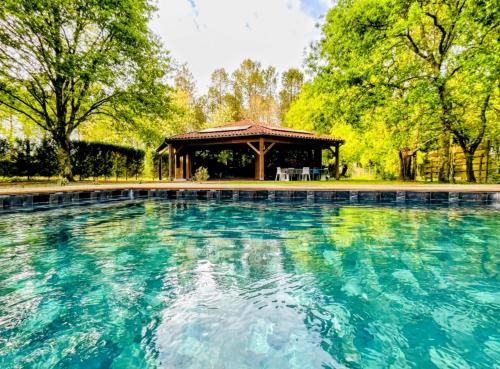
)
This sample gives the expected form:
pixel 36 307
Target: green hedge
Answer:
pixel 25 158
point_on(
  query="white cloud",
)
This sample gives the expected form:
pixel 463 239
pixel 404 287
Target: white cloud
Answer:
pixel 209 34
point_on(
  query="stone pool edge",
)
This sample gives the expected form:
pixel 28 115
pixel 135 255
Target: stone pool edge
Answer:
pixel 47 200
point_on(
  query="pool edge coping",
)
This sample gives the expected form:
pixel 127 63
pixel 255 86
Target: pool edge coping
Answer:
pixel 35 200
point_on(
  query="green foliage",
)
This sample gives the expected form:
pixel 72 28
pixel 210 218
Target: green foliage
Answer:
pixel 104 160
pixel 26 158
pixel 404 75
pixel 291 83
pixel 46 160
pixel 256 88
pixel 251 92
pixel 222 104
pixel 5 158
pixel 22 158
pixel 155 160
pixel 201 175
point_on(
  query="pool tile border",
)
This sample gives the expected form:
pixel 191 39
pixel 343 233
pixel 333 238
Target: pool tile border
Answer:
pixel 14 203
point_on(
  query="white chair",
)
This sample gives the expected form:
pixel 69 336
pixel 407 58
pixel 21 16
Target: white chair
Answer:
pixel 281 175
pixel 306 173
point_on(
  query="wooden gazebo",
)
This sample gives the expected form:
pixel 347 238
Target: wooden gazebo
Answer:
pixel 261 138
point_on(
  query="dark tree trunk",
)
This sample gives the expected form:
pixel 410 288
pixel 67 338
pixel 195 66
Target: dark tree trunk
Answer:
pixel 64 156
pixel 343 173
pixel 469 149
pixel 444 169
pixel 469 166
pixel 406 165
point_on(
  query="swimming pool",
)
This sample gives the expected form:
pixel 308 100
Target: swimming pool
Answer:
pixel 233 285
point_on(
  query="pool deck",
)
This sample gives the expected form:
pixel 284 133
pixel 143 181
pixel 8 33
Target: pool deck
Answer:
pixel 272 186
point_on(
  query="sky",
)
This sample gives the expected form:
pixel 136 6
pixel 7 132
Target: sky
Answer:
pixel 210 34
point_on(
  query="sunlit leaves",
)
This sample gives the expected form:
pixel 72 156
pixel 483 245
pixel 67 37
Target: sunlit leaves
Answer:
pixel 410 69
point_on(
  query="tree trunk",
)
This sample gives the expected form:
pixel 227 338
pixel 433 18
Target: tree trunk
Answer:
pixel 444 169
pixel 406 167
pixel 469 166
pixel 64 156
pixel 343 173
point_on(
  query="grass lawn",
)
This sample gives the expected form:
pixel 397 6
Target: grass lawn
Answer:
pixel 45 182
pixel 41 182
pixel 329 182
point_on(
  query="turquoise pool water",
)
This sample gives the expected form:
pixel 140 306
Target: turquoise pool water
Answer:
pixel 249 285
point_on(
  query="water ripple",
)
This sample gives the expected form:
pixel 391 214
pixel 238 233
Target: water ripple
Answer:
pixel 146 284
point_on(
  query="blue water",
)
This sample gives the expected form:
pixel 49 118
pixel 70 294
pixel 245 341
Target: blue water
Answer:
pixel 249 285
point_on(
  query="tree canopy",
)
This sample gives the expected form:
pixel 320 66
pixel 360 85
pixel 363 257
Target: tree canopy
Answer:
pixel 411 73
pixel 66 62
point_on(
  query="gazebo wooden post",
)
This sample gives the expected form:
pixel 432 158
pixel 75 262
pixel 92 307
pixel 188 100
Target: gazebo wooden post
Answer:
pixel 159 167
pixel 181 166
pixel 189 165
pixel 171 163
pixel 261 158
pixel 337 171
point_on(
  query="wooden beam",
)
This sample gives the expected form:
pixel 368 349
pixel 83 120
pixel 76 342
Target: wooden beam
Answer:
pixel 182 166
pixel 189 165
pixel 337 164
pixel 261 159
pixel 202 144
pixel 253 148
pixel 269 147
pixel 171 163
pixel 177 162
pixel 163 147
pixel 159 167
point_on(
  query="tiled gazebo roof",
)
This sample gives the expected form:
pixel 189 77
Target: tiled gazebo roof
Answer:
pixel 248 128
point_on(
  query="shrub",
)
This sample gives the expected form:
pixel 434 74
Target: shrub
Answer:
pixel 25 158
pixel 201 174
pixel 45 158
pixel 6 164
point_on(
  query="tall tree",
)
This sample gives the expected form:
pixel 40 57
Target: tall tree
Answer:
pixel 291 83
pixel 432 54
pixel 256 86
pixel 248 82
pixel 270 105
pixel 63 62
pixel 220 87
pixel 184 80
pixel 451 40
pixel 223 104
